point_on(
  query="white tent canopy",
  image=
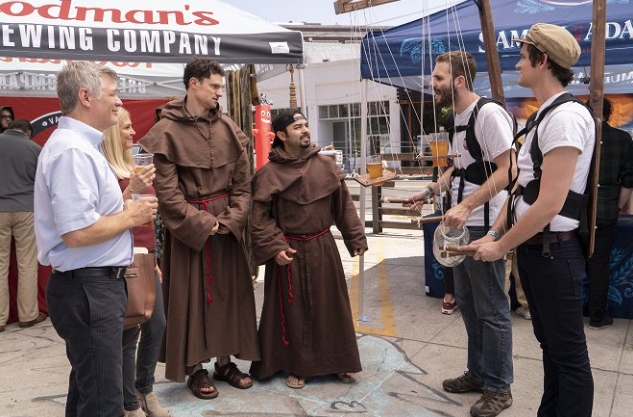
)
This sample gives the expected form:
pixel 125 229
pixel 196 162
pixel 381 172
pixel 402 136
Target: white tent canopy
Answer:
pixel 146 41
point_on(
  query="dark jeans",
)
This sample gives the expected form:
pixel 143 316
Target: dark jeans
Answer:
pixel 599 273
pixel 480 294
pixel 141 377
pixel 88 314
pixel 553 287
pixel 449 281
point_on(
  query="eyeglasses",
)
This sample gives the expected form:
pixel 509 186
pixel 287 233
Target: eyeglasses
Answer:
pixel 6 116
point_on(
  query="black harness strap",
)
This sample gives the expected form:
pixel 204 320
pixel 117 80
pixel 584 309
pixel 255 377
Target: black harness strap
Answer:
pixel 479 171
pixel 576 204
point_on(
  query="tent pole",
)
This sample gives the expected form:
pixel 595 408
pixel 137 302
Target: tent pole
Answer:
pixel 596 89
pixel 490 45
pixel 302 89
pixel 363 171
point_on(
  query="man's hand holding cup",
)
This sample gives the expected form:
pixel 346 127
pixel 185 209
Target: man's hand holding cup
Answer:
pixel 142 209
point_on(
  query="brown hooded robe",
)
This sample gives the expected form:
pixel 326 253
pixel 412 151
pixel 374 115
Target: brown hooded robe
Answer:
pixel 311 331
pixel 195 161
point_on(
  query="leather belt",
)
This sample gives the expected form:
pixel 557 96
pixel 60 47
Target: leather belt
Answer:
pixel 115 272
pixel 553 237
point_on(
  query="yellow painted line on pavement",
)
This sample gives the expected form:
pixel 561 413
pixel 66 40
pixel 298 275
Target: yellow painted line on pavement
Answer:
pixel 388 325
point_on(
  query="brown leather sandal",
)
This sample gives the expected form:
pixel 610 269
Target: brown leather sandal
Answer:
pixel 345 378
pixel 229 373
pixel 199 381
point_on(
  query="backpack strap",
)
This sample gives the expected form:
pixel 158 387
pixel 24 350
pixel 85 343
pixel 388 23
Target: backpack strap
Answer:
pixel 479 171
pixel 575 206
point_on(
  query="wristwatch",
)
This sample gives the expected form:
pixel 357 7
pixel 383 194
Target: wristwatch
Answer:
pixel 494 234
pixel 430 192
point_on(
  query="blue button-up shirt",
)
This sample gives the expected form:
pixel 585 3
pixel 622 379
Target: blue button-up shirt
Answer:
pixel 74 187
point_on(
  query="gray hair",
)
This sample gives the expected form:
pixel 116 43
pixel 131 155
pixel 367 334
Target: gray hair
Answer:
pixel 78 75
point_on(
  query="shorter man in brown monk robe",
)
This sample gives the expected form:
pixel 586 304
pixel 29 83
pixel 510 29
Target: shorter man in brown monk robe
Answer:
pixel 306 328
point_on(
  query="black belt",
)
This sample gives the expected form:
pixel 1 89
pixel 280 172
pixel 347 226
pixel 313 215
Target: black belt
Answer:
pixel 115 272
pixel 552 237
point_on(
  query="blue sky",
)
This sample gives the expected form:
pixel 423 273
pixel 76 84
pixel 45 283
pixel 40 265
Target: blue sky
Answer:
pixel 322 11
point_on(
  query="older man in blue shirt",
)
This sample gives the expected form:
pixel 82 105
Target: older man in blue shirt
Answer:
pixel 83 231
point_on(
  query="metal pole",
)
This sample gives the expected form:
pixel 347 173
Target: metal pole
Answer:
pixel 302 89
pixel 363 171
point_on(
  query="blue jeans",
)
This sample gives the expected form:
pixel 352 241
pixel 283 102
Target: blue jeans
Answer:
pixel 139 376
pixel 553 287
pixel 480 295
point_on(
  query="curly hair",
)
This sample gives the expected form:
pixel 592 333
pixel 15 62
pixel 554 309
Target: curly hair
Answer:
pixel 201 68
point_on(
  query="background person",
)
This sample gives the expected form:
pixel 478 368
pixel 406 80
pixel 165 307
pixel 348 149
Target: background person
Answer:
pixel 6 117
pixel 138 371
pixel 203 187
pixel 306 328
pixel 616 184
pixel 18 159
pixel 82 230
pixel 22 125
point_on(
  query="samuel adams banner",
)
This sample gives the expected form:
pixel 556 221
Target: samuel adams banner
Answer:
pixel 142 30
pixel 404 50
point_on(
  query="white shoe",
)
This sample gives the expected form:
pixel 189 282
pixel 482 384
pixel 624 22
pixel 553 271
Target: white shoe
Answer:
pixel 524 312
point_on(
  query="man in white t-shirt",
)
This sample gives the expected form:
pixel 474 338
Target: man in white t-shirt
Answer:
pixel 552 263
pixel 477 181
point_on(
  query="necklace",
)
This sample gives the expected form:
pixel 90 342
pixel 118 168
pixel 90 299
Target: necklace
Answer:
pixel 195 120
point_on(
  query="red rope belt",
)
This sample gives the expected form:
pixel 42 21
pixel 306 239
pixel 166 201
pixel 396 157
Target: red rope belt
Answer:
pixel 303 238
pixel 207 250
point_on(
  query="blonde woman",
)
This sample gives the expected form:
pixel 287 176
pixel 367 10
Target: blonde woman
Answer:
pixel 139 399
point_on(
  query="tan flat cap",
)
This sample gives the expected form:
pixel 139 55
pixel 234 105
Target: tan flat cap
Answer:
pixel 557 42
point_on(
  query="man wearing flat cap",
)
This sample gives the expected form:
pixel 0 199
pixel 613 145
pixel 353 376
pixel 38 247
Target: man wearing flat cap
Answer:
pixel 553 166
pixel 306 327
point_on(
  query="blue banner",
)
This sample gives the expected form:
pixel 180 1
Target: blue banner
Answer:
pixel 410 49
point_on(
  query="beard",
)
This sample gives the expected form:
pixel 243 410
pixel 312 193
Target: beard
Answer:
pixel 445 97
pixel 304 141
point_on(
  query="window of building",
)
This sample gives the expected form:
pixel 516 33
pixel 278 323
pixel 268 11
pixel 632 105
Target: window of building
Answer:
pixel 346 127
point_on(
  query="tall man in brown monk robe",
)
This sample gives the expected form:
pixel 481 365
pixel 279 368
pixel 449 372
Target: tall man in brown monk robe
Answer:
pixel 203 188
pixel 306 327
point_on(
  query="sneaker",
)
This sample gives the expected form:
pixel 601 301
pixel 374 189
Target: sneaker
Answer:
pixel 449 307
pixel 491 404
pixel 524 312
pixel 462 384
pixel 597 324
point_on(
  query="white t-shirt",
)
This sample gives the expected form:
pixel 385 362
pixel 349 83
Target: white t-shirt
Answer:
pixel 493 129
pixel 569 124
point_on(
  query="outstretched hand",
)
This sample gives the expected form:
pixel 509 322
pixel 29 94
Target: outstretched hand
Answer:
pixel 418 200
